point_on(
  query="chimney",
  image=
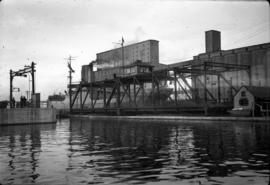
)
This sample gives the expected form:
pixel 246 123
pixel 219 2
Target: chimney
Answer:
pixel 212 41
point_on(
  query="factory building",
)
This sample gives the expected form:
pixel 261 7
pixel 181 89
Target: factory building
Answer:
pixel 112 62
pixel 256 56
pixel 146 51
pixel 124 61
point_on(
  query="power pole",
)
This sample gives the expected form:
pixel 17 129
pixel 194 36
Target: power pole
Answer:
pixel 122 49
pixel 69 60
pixel 10 89
pixel 122 46
pixel 33 76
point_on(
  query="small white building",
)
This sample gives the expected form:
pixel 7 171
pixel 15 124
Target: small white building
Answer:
pixel 251 100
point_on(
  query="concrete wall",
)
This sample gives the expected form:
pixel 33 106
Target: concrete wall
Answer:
pixel 27 116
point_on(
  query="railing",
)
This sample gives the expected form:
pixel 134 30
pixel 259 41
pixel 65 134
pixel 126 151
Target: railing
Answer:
pixel 264 108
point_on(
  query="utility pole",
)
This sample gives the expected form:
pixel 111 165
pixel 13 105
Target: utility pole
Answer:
pixel 122 50
pixel 10 89
pixel 69 59
pixel 33 77
pixel 122 47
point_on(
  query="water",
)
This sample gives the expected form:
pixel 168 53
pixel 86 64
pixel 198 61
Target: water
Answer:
pixel 135 152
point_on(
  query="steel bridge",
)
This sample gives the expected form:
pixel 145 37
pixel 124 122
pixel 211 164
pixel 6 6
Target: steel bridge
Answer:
pixel 129 92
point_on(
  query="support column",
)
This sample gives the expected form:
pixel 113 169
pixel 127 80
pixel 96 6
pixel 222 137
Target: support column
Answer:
pixel 175 88
pixel 81 104
pixel 33 77
pixel 10 89
pixel 142 87
pixel 196 92
pixel 92 96
pixel 219 94
pixel 118 97
pixel 153 88
pixel 129 100
pixel 104 97
pixel 205 86
pixel 134 92
pixel 205 92
pixel 158 93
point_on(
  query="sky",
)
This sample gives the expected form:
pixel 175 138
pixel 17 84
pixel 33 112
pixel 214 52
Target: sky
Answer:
pixel 48 31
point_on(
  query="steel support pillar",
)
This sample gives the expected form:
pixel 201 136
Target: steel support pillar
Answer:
pixel 33 77
pixel 118 97
pixel 87 93
pixel 104 97
pixel 81 104
pixel 134 92
pixel 92 96
pixel 158 92
pixel 205 88
pixel 219 93
pixel 153 88
pixel 142 87
pixel 10 89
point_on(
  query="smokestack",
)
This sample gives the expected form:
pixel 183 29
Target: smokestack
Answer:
pixel 212 41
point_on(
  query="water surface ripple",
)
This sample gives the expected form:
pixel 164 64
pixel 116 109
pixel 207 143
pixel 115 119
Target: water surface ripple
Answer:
pixel 84 151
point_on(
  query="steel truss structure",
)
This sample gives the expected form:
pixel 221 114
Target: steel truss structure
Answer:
pixel 130 87
pixel 21 73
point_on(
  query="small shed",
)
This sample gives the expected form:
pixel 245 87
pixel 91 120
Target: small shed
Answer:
pixel 252 99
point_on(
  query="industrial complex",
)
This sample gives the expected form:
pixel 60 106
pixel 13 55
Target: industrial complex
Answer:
pixel 132 79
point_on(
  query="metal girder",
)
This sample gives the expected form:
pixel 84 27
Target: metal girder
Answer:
pixel 96 98
pixel 77 92
pixel 85 98
pixel 187 84
pixel 228 82
pixel 111 95
pixel 207 91
pixel 183 89
pixel 104 97
pixel 126 92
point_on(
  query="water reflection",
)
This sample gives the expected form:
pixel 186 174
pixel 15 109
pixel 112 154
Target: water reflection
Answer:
pixel 83 151
pixel 20 147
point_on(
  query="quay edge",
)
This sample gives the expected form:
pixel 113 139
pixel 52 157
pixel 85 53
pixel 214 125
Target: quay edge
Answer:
pixel 179 118
pixel 19 116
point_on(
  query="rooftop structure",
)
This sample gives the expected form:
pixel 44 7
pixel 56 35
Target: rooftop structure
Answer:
pixel 146 51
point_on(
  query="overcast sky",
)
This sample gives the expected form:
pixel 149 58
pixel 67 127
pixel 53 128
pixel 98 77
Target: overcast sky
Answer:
pixel 47 31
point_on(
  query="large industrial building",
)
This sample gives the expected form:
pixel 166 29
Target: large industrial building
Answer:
pixel 126 73
pixel 146 51
pixel 257 57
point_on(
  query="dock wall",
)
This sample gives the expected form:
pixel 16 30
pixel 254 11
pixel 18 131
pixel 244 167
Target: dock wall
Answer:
pixel 27 116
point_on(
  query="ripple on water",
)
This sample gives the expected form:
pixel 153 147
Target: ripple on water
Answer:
pixel 100 152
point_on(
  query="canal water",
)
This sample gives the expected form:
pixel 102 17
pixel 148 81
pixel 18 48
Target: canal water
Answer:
pixel 96 151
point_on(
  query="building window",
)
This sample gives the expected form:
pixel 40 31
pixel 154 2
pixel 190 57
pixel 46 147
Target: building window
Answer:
pixel 243 102
pixel 243 93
